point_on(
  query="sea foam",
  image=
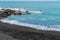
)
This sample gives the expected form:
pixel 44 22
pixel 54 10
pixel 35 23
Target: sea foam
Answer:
pixel 38 27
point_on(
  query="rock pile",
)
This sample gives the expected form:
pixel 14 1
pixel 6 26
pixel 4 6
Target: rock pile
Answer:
pixel 7 12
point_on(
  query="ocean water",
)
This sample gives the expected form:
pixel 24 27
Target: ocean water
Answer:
pixel 48 20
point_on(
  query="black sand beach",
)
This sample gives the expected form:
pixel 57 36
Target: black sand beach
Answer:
pixel 25 33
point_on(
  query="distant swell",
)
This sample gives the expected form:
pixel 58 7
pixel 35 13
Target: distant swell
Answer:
pixel 39 27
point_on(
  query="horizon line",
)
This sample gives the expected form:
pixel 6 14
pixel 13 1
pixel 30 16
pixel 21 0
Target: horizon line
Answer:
pixel 5 0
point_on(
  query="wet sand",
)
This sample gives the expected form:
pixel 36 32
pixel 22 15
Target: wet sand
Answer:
pixel 26 33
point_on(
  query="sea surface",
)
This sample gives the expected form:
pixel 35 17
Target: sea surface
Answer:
pixel 49 19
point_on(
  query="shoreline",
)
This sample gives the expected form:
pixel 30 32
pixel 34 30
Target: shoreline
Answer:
pixel 27 30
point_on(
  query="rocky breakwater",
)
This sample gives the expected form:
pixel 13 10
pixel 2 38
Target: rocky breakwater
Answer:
pixel 7 12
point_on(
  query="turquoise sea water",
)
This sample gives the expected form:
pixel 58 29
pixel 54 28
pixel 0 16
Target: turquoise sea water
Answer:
pixel 48 20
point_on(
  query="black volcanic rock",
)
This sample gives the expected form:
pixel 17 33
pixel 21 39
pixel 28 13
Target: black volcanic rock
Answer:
pixel 8 12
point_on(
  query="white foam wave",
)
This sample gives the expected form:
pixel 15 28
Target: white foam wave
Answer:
pixel 39 27
pixel 23 10
pixel 35 12
pixel 43 19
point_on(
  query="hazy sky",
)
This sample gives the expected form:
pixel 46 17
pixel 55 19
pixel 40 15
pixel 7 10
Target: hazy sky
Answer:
pixel 29 0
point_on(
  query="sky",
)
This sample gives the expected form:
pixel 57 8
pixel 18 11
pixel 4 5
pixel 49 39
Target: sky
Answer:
pixel 29 0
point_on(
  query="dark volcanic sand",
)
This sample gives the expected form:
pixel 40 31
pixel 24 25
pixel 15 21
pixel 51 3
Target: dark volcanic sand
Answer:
pixel 6 37
pixel 26 33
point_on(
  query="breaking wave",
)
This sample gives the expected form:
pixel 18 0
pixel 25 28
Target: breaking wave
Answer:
pixel 22 10
pixel 38 27
pixel 35 12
